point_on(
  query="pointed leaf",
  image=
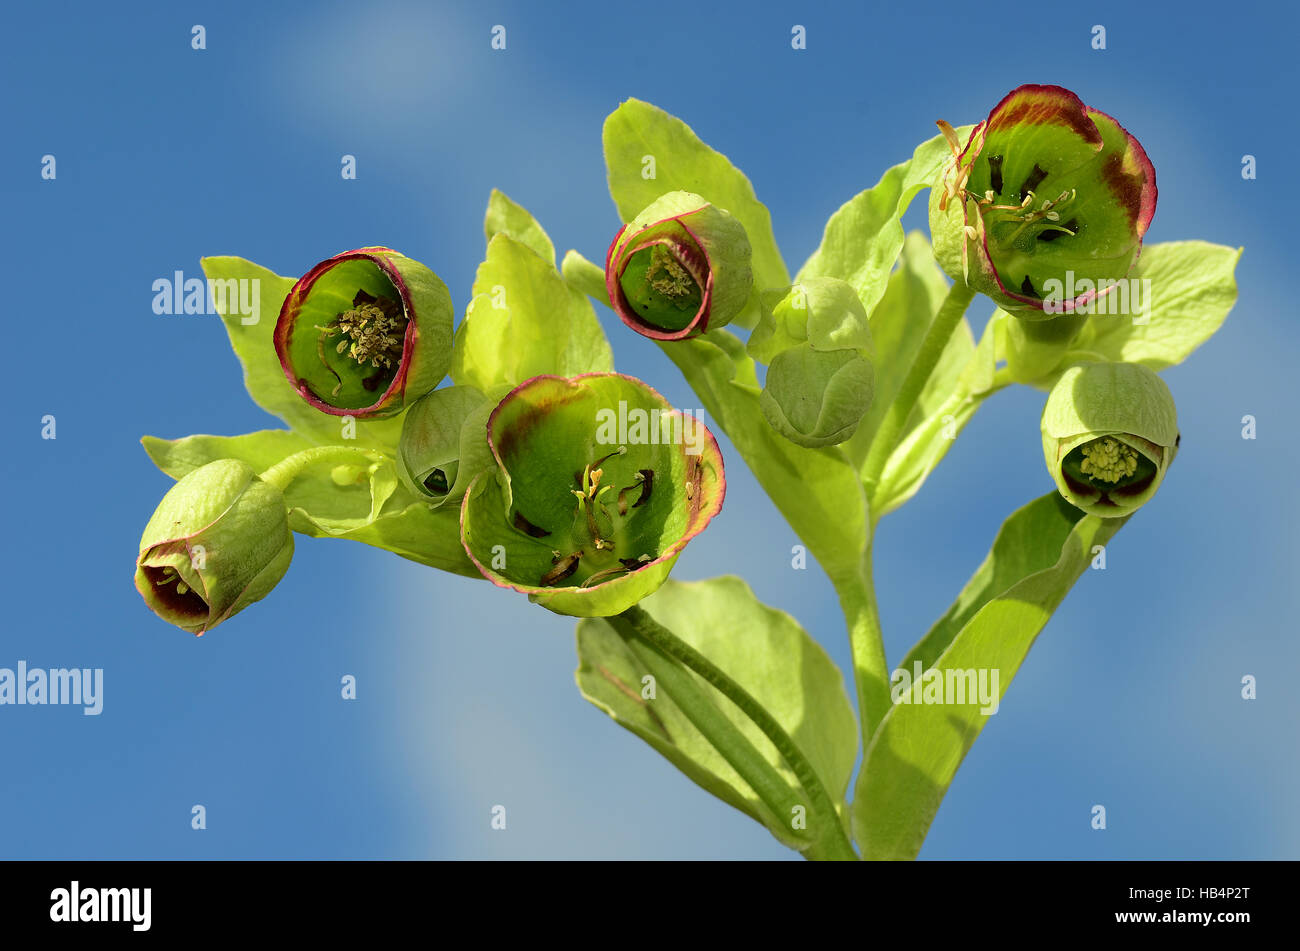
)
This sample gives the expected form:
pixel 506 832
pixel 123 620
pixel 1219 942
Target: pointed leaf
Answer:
pixel 765 651
pixel 506 217
pixel 525 321
pixel 864 237
pixel 919 746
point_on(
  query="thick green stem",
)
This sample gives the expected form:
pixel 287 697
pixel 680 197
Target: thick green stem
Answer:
pixel 289 468
pixel 666 652
pixel 890 431
pixel 857 596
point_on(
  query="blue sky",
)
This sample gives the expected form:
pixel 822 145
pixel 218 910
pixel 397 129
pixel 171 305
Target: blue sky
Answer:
pixel 465 693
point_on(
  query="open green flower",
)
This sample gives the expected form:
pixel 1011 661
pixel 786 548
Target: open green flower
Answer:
pixel 1110 431
pixel 364 332
pixel 679 268
pixel 1045 206
pixel 218 541
pixel 816 340
pixel 600 484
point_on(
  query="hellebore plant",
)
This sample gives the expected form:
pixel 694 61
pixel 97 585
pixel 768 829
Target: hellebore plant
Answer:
pixel 516 472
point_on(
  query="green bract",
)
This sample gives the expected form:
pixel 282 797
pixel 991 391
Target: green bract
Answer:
pixel 817 341
pixel 600 485
pixel 679 268
pixel 1110 430
pixel 1045 206
pixel 218 541
pixel 364 332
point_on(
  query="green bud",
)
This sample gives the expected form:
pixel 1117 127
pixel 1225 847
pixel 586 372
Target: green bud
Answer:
pixel 218 541
pixel 679 268
pixel 816 340
pixel 444 442
pixel 1110 431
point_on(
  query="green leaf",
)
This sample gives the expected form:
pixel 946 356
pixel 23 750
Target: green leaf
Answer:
pixel 916 752
pixel 765 651
pixel 525 321
pixel 506 217
pixel 1192 288
pixel 1176 297
pixel 264 377
pixel 362 503
pixel 947 405
pixel 636 133
pixel 864 237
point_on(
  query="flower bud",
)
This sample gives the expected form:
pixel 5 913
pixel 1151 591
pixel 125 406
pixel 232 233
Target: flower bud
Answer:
pixel 816 340
pixel 679 268
pixel 599 486
pixel 365 332
pixel 218 541
pixel 444 442
pixel 1045 206
pixel 1110 430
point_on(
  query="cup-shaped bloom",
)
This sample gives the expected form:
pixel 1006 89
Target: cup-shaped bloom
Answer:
pixel 599 485
pixel 365 332
pixel 1110 431
pixel 444 442
pixel 218 541
pixel 816 340
pixel 679 268
pixel 1045 205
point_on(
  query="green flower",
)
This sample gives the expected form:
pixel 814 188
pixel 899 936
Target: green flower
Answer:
pixel 1045 206
pixel 365 332
pixel 679 268
pixel 599 485
pixel 816 340
pixel 217 542
pixel 1110 431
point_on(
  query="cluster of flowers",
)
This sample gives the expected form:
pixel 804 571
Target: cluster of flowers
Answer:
pixel 1042 187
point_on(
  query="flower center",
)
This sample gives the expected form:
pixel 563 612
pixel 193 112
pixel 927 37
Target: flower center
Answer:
pixel 599 526
pixel 374 334
pixel 1108 460
pixel 660 288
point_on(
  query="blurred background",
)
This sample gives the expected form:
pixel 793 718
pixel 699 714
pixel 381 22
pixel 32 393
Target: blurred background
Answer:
pixel 466 700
